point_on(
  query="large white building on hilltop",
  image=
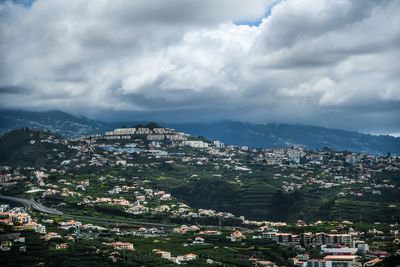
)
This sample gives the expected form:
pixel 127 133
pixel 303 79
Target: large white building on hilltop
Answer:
pixel 155 134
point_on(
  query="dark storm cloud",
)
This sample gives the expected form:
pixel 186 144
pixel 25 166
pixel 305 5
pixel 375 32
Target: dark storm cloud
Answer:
pixel 15 90
pixel 330 63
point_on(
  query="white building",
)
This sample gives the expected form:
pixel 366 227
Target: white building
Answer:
pixel 196 144
pixel 219 144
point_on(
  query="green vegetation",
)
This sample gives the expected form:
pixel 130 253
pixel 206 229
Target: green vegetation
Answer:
pixel 23 148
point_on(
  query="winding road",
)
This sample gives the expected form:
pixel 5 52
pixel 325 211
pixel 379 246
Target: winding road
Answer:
pixel 31 204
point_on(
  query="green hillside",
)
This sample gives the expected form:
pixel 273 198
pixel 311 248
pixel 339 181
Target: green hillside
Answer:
pixel 24 147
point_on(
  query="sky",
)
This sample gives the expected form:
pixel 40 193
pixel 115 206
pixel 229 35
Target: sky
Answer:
pixel 331 63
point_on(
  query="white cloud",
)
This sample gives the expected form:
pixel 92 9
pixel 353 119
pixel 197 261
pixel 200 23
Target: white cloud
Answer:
pixel 322 91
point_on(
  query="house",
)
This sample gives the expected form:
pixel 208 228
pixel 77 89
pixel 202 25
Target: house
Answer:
pixel 265 263
pixel 51 235
pixel 342 260
pixel 137 209
pixel 5 245
pixel 362 247
pixel 165 197
pixel 115 191
pixel 4 207
pixel 120 162
pixel 209 232
pixel 114 256
pixel 337 250
pixel 61 246
pixel 164 254
pixel 185 258
pixel 190 257
pixel 122 245
pixel 236 236
pixel 162 208
pixel 70 224
pixel 80 188
pixel 178 259
pixel 20 239
pixel 21 218
pixel 182 230
pixel 37 227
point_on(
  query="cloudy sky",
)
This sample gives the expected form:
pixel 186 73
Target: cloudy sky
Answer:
pixel 333 63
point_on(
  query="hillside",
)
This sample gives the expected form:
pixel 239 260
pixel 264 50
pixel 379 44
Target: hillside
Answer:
pixel 331 189
pixel 31 148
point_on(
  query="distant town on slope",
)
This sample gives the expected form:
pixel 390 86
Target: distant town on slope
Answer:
pixel 236 133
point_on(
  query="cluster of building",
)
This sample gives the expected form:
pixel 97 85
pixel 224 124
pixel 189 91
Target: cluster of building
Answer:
pixel 181 259
pixel 321 169
pixel 151 134
pixel 19 220
pixel 10 240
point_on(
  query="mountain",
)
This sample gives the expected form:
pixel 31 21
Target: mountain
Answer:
pixel 229 132
pixel 284 135
pixel 55 121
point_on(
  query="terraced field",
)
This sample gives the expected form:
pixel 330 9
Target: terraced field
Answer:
pixel 362 210
pixel 255 198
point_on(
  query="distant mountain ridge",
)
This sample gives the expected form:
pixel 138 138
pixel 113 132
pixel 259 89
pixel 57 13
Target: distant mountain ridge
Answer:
pixel 54 120
pixel 283 135
pixel 230 132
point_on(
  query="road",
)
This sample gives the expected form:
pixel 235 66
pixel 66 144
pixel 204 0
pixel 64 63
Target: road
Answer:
pixel 122 222
pixel 31 204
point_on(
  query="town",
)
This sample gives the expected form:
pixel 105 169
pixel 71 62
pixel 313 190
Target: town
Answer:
pixel 153 196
